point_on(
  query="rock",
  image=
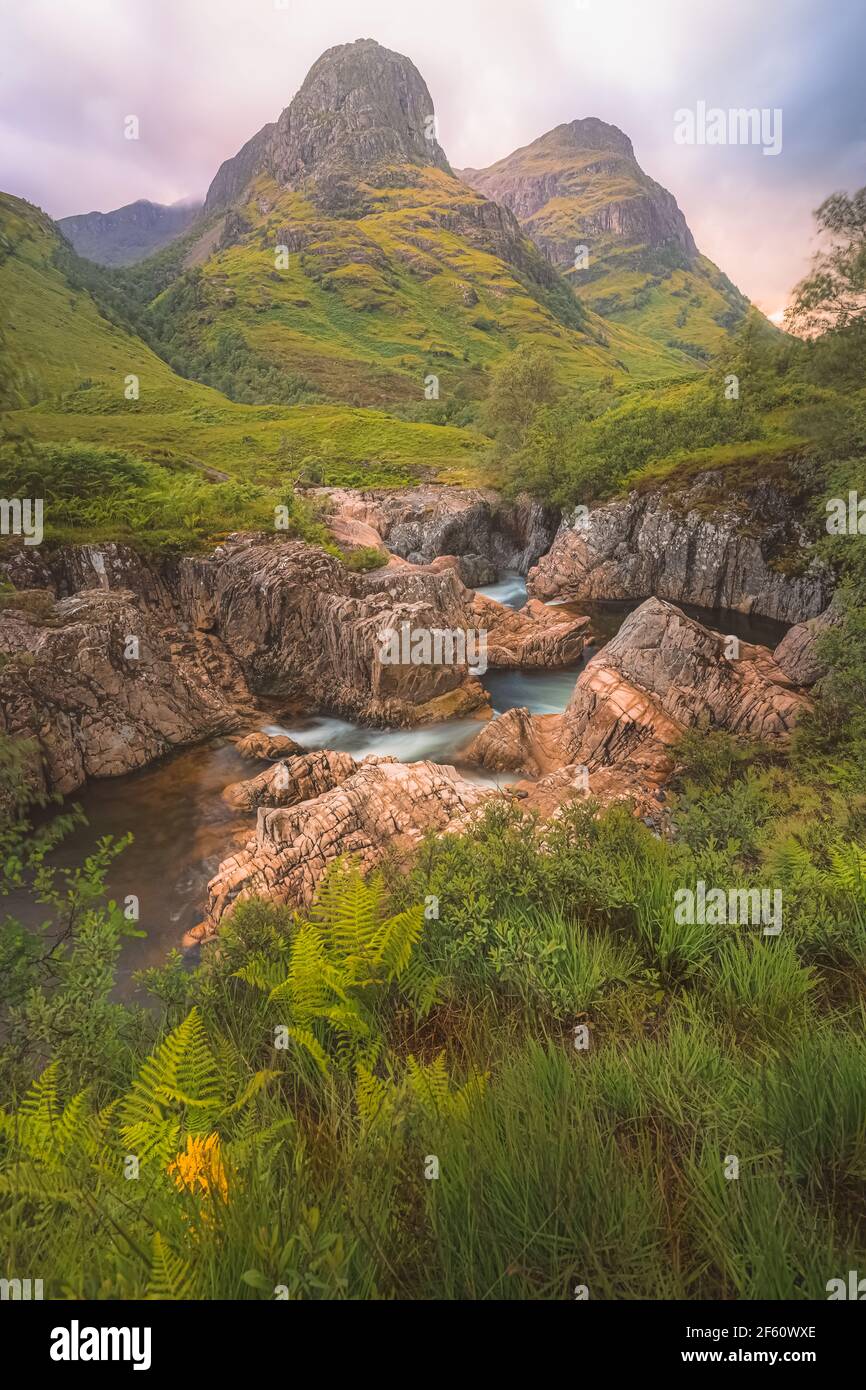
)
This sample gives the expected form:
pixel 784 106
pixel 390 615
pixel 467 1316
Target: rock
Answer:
pixel 261 745
pixel 303 628
pixel 300 778
pixel 382 807
pixel 72 683
pixel 475 524
pixel 796 653
pixel 687 547
pixel 535 635
pixel 551 187
pixel 664 673
pixel 518 741
pixel 360 107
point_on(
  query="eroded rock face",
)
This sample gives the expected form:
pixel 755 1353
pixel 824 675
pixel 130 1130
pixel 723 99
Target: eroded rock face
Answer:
pixel 561 169
pixel 535 635
pixel 662 674
pixel 302 627
pixel 383 806
pixel 518 741
pixel 300 778
pixel 475 524
pixel 797 652
pixel 360 106
pixel 687 549
pixel 95 704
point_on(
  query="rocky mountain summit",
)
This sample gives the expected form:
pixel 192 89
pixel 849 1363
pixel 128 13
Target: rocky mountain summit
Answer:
pixel 360 107
pixel 582 180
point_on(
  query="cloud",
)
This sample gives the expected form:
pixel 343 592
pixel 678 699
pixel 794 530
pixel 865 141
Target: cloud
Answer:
pixel 204 75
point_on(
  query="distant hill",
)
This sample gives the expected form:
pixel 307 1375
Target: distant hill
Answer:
pixel 130 233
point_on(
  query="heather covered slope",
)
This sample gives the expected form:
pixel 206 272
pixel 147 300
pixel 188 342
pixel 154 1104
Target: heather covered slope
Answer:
pixel 580 185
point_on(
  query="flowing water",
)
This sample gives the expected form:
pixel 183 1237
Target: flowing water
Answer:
pixel 182 828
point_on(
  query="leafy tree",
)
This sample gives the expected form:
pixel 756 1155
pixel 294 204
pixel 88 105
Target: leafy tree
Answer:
pixel 833 295
pixel 519 386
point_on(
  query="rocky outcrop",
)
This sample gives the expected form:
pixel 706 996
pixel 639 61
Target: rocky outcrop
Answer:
pixel 475 524
pixel 662 674
pixel 302 627
pixel 259 745
pixel 532 636
pixel 360 107
pixel 555 188
pixel 691 546
pixel 797 653
pixel 101 687
pixel 518 741
pixel 299 778
pixel 382 807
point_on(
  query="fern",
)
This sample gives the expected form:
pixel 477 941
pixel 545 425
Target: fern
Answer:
pixel 340 961
pixel 431 1088
pixel 178 1090
pixel 170 1275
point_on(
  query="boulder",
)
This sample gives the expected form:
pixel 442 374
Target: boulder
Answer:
pixel 797 654
pixel 260 745
pixel 663 673
pixel 383 807
pixel 301 778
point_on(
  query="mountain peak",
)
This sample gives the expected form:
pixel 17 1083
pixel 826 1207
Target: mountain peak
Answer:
pixel 590 133
pixel 360 105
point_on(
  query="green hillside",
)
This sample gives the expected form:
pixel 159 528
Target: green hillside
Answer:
pixel 417 276
pixel 74 361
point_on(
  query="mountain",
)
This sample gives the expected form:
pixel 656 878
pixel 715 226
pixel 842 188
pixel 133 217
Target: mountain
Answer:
pixel 392 271
pixel 581 186
pixel 360 106
pixel 130 233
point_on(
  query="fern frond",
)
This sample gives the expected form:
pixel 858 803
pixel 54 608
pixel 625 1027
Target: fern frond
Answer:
pixel 170 1275
pixel 307 1039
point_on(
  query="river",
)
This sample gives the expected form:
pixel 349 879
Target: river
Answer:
pixel 182 828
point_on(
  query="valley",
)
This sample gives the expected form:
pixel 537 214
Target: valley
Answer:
pixel 433 609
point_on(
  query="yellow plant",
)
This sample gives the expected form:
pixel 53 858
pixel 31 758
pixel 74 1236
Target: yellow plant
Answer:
pixel 200 1168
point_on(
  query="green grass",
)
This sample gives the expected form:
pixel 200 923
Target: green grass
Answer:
pixel 452 1039
pixel 74 362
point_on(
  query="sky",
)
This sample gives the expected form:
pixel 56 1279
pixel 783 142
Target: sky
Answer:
pixel 203 75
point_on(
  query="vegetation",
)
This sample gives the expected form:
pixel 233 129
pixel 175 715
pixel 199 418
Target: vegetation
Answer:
pixel 502 1070
pixel 577 1072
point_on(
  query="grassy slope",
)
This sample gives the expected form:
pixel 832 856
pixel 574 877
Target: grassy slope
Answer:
pixel 76 363
pixel 370 305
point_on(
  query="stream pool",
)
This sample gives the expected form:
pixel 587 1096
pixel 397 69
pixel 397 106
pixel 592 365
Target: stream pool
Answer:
pixel 182 828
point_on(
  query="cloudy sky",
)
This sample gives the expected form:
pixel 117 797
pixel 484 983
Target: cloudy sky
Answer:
pixel 204 75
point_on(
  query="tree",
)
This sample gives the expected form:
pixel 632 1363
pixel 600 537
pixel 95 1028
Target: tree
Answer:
pixel 833 295
pixel 520 385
